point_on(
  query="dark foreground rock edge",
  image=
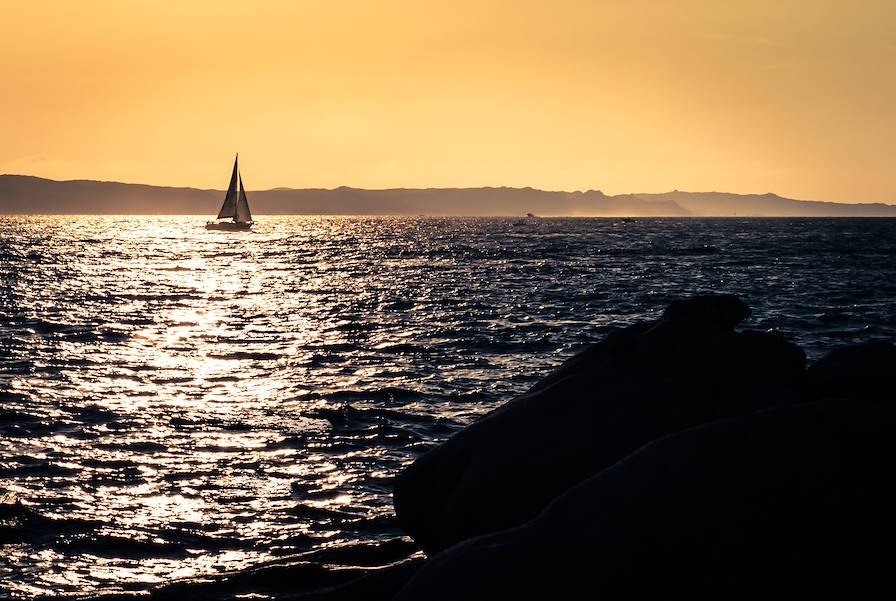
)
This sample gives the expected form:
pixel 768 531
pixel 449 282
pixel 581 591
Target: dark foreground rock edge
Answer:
pixel 794 498
pixel 640 383
pixel 678 455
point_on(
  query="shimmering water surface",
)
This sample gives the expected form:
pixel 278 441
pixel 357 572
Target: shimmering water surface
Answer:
pixel 176 402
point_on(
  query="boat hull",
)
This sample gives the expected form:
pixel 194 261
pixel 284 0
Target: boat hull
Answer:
pixel 229 226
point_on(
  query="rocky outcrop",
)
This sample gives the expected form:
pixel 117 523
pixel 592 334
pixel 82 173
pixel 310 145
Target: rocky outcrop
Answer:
pixel 640 383
pixel 678 457
pixel 793 500
pixel 863 371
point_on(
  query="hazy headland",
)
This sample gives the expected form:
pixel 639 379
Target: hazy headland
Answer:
pixel 21 194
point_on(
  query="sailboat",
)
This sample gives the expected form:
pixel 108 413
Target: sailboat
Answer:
pixel 235 207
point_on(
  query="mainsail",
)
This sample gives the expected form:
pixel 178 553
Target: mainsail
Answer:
pixel 242 205
pixel 229 209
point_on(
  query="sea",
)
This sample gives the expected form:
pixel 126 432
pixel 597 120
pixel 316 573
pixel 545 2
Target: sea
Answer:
pixel 177 403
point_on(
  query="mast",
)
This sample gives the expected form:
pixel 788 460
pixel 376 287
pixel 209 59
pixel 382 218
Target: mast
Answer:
pixel 228 209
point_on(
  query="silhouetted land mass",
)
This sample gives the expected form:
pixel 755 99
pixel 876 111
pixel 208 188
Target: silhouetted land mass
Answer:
pixel 21 194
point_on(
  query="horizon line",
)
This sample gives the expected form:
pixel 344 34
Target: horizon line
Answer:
pixel 588 191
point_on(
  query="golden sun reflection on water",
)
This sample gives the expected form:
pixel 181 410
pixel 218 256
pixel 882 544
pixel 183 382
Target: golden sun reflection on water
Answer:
pixel 184 402
pixel 187 391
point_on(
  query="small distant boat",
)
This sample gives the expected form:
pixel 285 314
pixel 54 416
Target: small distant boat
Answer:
pixel 235 207
pixel 526 221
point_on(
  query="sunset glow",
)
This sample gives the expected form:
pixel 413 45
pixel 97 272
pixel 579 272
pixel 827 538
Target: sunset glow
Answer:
pixel 793 97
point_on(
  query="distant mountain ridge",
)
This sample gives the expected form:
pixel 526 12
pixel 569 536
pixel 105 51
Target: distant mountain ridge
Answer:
pixel 767 205
pixel 23 194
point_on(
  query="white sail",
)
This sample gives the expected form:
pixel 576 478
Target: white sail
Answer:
pixel 242 205
pixel 228 209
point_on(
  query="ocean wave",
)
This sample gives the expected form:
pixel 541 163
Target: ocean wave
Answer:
pixel 247 355
pixel 388 394
pixel 22 524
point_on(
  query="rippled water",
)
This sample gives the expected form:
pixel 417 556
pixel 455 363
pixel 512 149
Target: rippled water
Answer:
pixel 176 402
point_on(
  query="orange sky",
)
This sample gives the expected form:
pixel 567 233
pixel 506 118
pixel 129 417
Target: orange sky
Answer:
pixel 795 97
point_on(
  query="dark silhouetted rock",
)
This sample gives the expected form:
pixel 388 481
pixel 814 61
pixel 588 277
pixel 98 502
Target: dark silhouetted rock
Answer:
pixel 638 384
pixel 344 572
pixel 793 500
pixel 711 312
pixel 377 585
pixel 864 371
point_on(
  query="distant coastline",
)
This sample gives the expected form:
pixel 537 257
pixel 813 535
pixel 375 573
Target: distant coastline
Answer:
pixel 29 195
